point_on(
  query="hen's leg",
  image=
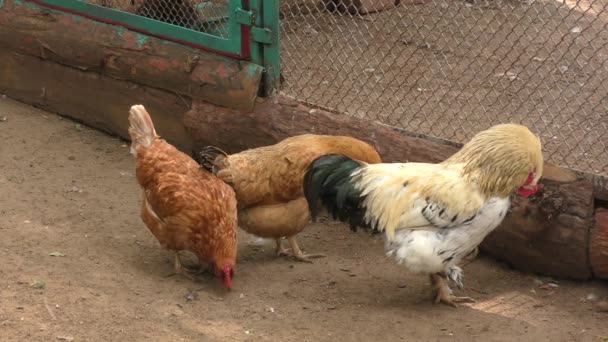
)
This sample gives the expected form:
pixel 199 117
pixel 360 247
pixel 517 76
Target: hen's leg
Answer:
pixel 280 251
pixel 443 294
pixel 180 269
pixel 298 254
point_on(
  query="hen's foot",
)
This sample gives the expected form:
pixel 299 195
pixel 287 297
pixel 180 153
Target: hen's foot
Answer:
pixel 287 252
pixel 188 272
pixel 295 251
pixel 280 251
pixel 298 254
pixel 443 294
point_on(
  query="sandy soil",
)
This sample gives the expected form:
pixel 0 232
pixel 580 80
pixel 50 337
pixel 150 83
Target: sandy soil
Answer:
pixel 69 191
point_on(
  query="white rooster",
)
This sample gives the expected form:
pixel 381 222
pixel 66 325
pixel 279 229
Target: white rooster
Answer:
pixel 433 215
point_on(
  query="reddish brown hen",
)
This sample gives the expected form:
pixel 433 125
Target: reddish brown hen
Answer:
pixel 184 206
pixel 269 183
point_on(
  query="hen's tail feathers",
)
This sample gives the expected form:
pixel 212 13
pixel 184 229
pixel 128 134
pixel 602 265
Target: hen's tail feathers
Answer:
pixel 329 180
pixel 141 128
pixel 207 157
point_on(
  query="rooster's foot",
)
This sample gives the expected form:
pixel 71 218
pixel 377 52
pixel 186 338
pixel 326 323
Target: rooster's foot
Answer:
pixel 443 293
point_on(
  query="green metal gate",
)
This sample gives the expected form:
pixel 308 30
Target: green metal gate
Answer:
pixel 240 29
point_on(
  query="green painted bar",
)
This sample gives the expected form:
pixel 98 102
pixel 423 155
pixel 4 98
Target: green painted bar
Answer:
pixel 232 45
pixel 257 50
pixel 272 60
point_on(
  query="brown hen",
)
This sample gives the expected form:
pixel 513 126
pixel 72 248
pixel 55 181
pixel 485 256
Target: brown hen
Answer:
pixel 269 183
pixel 184 206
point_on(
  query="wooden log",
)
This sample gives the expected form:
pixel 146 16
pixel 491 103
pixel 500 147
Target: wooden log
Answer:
pixel 598 250
pixel 276 119
pixel 114 51
pixel 99 101
pixel 547 233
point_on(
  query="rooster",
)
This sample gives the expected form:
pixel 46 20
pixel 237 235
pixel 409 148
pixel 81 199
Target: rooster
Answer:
pixel 184 206
pixel 268 183
pixel 432 215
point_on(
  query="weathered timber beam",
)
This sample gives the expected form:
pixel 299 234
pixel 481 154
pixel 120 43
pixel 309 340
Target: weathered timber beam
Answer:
pixel 281 117
pixel 548 233
pixel 275 119
pixel 99 101
pixel 117 52
pixel 598 251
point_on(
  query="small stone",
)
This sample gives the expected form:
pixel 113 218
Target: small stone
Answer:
pixel 190 296
pixel 330 283
pixel 65 338
pixel 3 119
pixel 591 297
pixel 74 189
pixel 38 284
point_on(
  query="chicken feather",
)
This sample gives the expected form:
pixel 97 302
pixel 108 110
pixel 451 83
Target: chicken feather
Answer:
pixel 391 202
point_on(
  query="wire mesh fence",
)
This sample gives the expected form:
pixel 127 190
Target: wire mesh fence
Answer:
pixel 204 16
pixel 451 68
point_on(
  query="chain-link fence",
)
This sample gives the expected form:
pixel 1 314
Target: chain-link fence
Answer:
pixel 451 68
pixel 439 67
pixel 210 16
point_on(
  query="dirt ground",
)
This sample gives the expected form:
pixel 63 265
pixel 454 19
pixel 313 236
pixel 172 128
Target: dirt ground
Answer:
pixel 78 264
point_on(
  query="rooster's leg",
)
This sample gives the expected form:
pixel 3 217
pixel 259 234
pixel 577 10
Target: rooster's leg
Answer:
pixel 297 252
pixel 471 256
pixel 443 294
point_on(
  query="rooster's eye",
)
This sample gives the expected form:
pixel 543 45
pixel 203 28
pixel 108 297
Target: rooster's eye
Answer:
pixel 530 178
